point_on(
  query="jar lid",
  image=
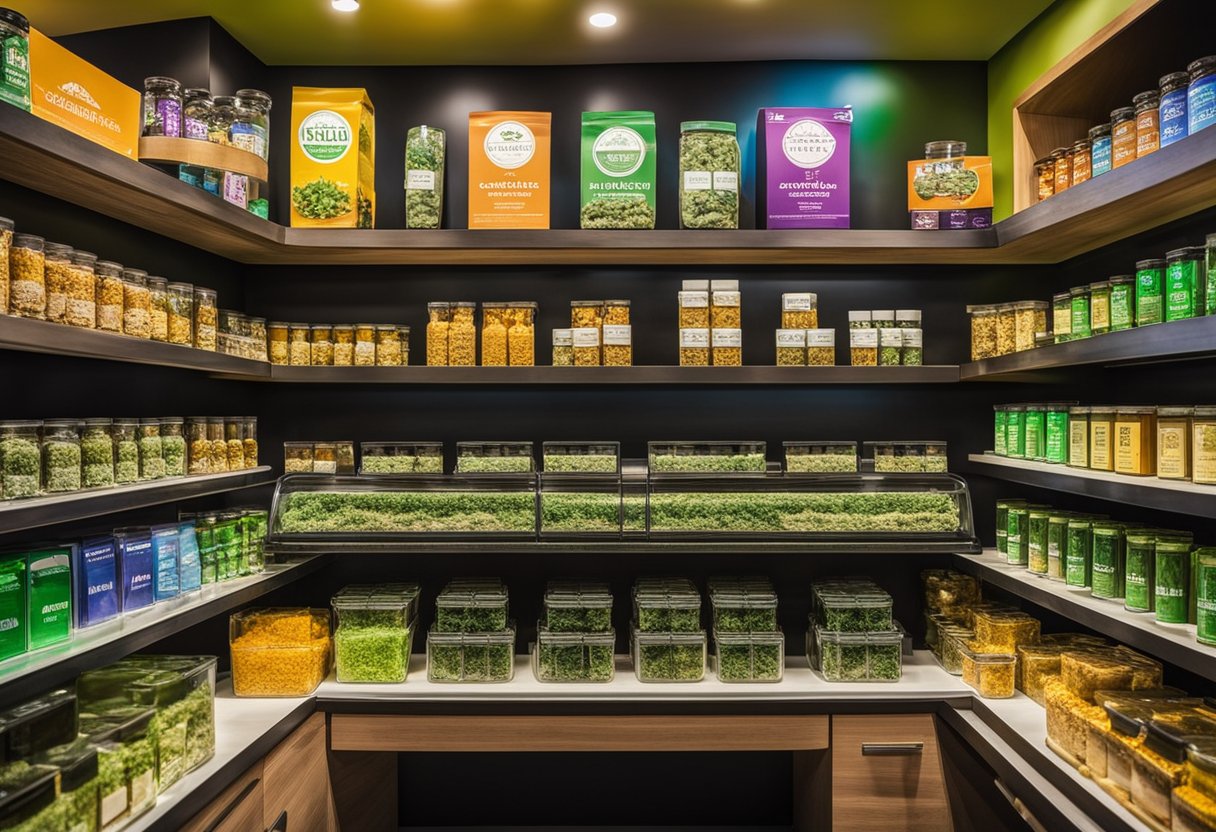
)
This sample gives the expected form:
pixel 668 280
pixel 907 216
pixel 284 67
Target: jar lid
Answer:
pixel 163 81
pixel 606 303
pixel 254 95
pixel 1175 411
pixel 859 315
pixel 716 126
pixel 1206 411
pixel 1119 279
pixel 1146 99
pixel 197 92
pixel 320 326
pixel 1122 114
pixel 1099 131
pixel 464 304
pixel 1044 162
pixel 97 422
pixel 1105 408
pixel 342 327
pixel 28 241
pixel 357 326
pixel 883 314
pixel 172 420
pixel 1059 153
pixel 1099 284
pixel 383 327
pixel 204 291
pixel 947 149
pixel 907 314
pixel 84 258
pixel 1081 144
pixel 402 329
pixel 224 101
pixel 1156 263
pixel 162 283
pixel 6 224
pixel 1201 66
pixel 155 420
pixel 585 303
pixel 1062 296
pixel 60 251
pixel 1076 291
pixel 438 304
pixel 15 19
pixel 981 308
pixel 1174 81
pixel 494 304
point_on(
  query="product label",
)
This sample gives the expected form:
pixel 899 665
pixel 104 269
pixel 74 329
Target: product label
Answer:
pixel 1099 317
pixel 165 555
pixel 1057 436
pixel 1181 279
pixel 694 339
pixel 1137 587
pixel 1148 297
pixel 15 77
pixel 863 338
pixel 162 116
pixel 563 338
pixel 726 180
pixel 50 597
pixel 333 157
pixel 808 143
pixel 97 582
pixel 1121 305
pixel 1033 448
pixel 509 144
pixel 190 567
pixel 420 180
pixel 236 189
pixel 1061 319
pixel 324 137
pixel 727 337
pixel 1173 117
pixel 136 570
pixel 803 167
pixel 1203 454
pixel 1127 447
pixel 1079 325
pixel 1201 104
pixel 194 129
pixel 694 300
pixel 726 298
pixel 1100 156
pixel 248 137
pixel 791 338
pixel 821 338
pixel 1099 446
pixel 587 336
pixel 114 804
pixel 1171 452
pixel 509 170
pixel 998 437
pixel 797 302
pixel 618 335
pixel 698 180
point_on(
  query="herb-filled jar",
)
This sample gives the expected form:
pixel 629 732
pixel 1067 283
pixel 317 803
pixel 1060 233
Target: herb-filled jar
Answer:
pixel 151 451
pixel 1015 431
pixel 890 345
pixel 277 338
pixel 1099 307
pixel 1139 571
pixel 1101 438
pixel 109 296
pixel 198 446
pixel 1185 283
pixel 234 442
pixel 365 345
pixel 1078 437
pixel 1172 565
pixel 1123 136
pixel 20 459
pixel 81 291
pixel 1122 302
pixel 521 334
pixel 1061 317
pixel 61 455
pixel 425 152
pixel 162 107
pixel 1150 291
pixel 251 126
pixel 1036 541
pixel 58 267
pixel 299 351
pixel 1106 575
pixel 882 318
pixel 219 445
pixel 1172 107
pixel 1057 544
pixel 206 316
pixel 999 414
pixel 912 353
pixel 563 348
pixel 344 345
pixel 1055 447
pixel 1045 177
pixel 249 439
pixel 27 277
pixel 159 310
pixel 181 314
pixel 1201 94
pixel 223 113
pixel 1205 600
pixel 388 346
pixel 196 113
pixel 1062 166
pixel 1148 124
pixel 126 450
pixel 694 346
pixel 1174 442
pixel 863 347
pixel 1035 432
pixel 297 457
pixel 439 319
pixel 983 331
pixel 1006 337
pixel 709 175
pixel 1100 149
pixel 1078 559
pixel 321 345
pixel 1203 445
pixel 1002 523
pixel 1082 162
pixel 462 335
pixel 173 446
pixel 1136 441
pixel 1080 325
pixel 137 304
pixel 97 454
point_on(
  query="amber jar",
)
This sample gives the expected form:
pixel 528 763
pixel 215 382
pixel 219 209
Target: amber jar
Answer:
pixel 365 345
pixel 1148 122
pixel 388 346
pixel 322 341
pixel 1063 167
pixel 1045 177
pixel 1082 168
pixel 344 345
pixel 1135 441
pixel 1122 136
pixel 276 334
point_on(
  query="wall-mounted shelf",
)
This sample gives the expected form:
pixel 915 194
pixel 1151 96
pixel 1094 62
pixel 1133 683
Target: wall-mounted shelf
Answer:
pixel 28 335
pixel 507 548
pixel 639 375
pixel 17 515
pixel 1177 496
pixel 166 150
pixel 108 642
pixel 1173 643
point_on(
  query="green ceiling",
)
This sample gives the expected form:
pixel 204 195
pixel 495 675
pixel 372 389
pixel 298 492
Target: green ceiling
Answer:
pixel 556 32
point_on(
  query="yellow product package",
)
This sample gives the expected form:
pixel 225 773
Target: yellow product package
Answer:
pixel 333 158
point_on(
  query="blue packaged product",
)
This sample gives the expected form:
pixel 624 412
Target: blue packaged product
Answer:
pixel 165 578
pixel 1172 107
pixel 1100 150
pixel 190 567
pixel 1201 94
pixel 135 567
pixel 96 581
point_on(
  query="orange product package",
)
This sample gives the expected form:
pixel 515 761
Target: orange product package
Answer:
pixel 509 169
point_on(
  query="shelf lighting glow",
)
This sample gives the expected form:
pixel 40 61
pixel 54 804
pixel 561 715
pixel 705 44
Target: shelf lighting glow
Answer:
pixel 345 5
pixel 602 20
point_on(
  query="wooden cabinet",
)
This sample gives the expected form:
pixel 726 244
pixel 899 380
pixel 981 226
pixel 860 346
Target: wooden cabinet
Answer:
pixel 887 774
pixel 237 809
pixel 295 780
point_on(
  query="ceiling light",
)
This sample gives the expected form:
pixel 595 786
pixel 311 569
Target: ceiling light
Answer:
pixel 602 20
pixel 345 5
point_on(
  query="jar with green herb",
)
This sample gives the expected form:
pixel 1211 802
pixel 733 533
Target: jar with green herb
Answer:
pixel 1122 302
pixel 1015 431
pixel 1185 283
pixel 1172 571
pixel 1036 543
pixel 1002 523
pixel 1150 291
pixel 173 445
pixel 890 343
pixel 20 459
pixel 151 452
pixel 1057 543
pixel 1061 316
pixel 1108 559
pixel 1056 433
pixel 1035 431
pixel 1078 437
pixel 709 175
pixel 1099 307
pixel 1017 535
pixel 61 456
pixel 1080 326
pixel 126 451
pixel 999 412
pixel 1209 272
pixel 1139 573
pixel 1079 558
pixel 97 453
pixel 1205 595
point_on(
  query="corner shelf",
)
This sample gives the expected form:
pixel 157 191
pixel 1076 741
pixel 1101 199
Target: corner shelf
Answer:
pixel 1178 496
pixel 105 643
pixel 38 512
pixel 27 335
pixel 637 375
pixel 1176 340
pixel 1173 643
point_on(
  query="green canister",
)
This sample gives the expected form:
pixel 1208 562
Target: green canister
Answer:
pixel 1078 560
pixel 13 613
pixel 1061 316
pixel 1099 307
pixel 1017 536
pixel 1057 543
pixel 1015 431
pixel 1057 433
pixel 1035 431
pixel 1080 327
pixel 1209 269
pixel 1078 437
pixel 1002 523
pixel 1108 560
pixel 1185 283
pixel 1172 568
pixel 1122 302
pixel 1150 292
pixel 1139 578
pixel 1205 595
pixel 1036 540
pixel 998 429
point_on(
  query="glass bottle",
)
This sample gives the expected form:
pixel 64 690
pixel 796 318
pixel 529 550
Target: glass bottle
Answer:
pixel 27 277
pixel 1045 177
pixel 151 451
pixel 158 293
pixel 219 445
pixel 462 335
pixel 58 270
pixel 15 35
pixel 1082 161
pixel 1123 136
pixel 162 107
pixel 109 296
pixel 439 318
pixel 223 112
pixel 206 316
pixel 277 338
pixel 1099 149
pixel 521 336
pixel 199 446
pixel 137 304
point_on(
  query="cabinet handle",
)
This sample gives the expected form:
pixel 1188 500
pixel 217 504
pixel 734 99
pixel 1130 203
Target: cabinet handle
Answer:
pixel 891 749
pixel 279 825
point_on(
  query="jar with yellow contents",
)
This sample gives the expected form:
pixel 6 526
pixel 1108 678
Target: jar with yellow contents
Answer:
pixel 495 320
pixel 439 319
pixel 462 335
pixel 521 335
pixel 322 341
pixel 388 346
pixel 365 345
pixel 299 351
pixel 344 345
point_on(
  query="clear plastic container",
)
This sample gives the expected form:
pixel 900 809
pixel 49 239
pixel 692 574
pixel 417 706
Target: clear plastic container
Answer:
pixel 299 351
pixel 494 324
pixel 669 657
pixel 462 335
pixel 297 457
pixel 365 345
pixel 573 656
pixel 344 345
pixel 58 264
pixel 906 457
pixel 578 607
pixel 1030 320
pixel 860 609
pixel 27 277
pixel 279 651
pixel 1002 632
pixel 324 458
pixel 581 457
pixel 471 605
pixel 206 318
pixel 1006 329
pixel 1086 671
pixel 749 656
pixel 494 458
pixel 109 297
pixel 388 346
pixel 279 342
pixel 425 149
pixel 694 305
pixel 97 454
pixel 827 457
pixel 743 605
pixel 374 632
pixel 439 320
pixel 666 605
pixel 470 657
pixel 151 450
pixel 991 674
pixel 126 762
pixel 158 311
pixel 709 175
pixel 321 345
pixel 799 310
pixel 401 457
pixel 20 459
pixel 563 348
pixel 81 291
pixel 61 456
pixel 706 457
pixel 856 657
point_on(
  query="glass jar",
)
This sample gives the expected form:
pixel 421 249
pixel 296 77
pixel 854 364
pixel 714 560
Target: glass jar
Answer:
pixel 251 127
pixel 1185 283
pixel 1078 559
pixel 439 319
pixel 1174 442
pixel 97 454
pixel 1000 414
pixel 882 318
pixel 20 460
pixel 249 439
pixel 61 456
pixel 58 269
pixel 494 324
pixel 1100 149
pixel 1078 437
pixel 255 329
pixel 1172 106
pixel 983 331
pixel 181 314
pixel 863 347
pixel 1035 432
pixel 1002 524
pixel 1122 302
pixel 521 336
pixel 297 457
pixel 15 35
pixel 365 345
pixel 324 458
pixel 1201 94
pixel 196 113
pixel 821 347
pixel 563 348
pixel 462 335
pixel 173 446
pixel 27 277
pixel 1106 574
pixel 425 152
pixel 1056 431
pixel 1172 577
pixel 109 298
pixel 1080 324
pixel 126 450
pixel 1057 544
pixel 223 112
pixel 1029 319
pixel 1017 528
pixel 151 451
pixel 235 442
pixel 158 312
pixel 206 315
pixel 694 347
pixel 1139 578
pixel 1062 165
pixel 219 445
pixel 1061 316
pixel 299 351
pixel 1045 176
pixel 1203 445
pixel 791 348
pixel 1036 540
pixel 586 313
pixel 709 175
pixel 1123 136
pixel 799 310
pixel 913 353
pixel 162 107
pixel 1015 431
pixel 1101 439
pixel 81 291
pixel 1150 290
pixel 344 345
pixel 1082 161
pixel 276 334
pixel 388 346
pixel 137 304
pixel 694 306
pixel 403 335
pixel 198 448
pixel 1148 122
pixel 1006 329
pixel 1099 307
pixel 890 344
pixel 322 342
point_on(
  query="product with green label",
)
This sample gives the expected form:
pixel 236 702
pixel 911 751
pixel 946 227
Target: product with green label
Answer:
pixel 1036 544
pixel 1185 283
pixel 1078 437
pixel 1173 578
pixel 1078 560
pixel 1122 302
pixel 998 425
pixel 1035 431
pixel 618 170
pixel 1002 523
pixel 425 148
pixel 709 175
pixel 1015 431
pixel 1205 593
pixel 1150 291
pixel 1140 579
pixel 1057 544
pixel 1106 576
pixel 13 612
pixel 1080 326
pixel 15 59
pixel 1017 534
pixel 50 596
pixel 1056 433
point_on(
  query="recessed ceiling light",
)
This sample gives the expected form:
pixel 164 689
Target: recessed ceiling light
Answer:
pixel 602 20
pixel 345 5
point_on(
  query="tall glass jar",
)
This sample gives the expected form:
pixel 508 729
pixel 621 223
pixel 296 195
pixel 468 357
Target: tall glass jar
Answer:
pixel 126 451
pixel 403 334
pixel 494 323
pixel 462 335
pixel 1082 161
pixel 206 316
pixel 521 336
pixel 1122 302
pixel 97 454
pixel 563 348
pixel 58 270
pixel 137 304
pixel 1056 441
pixel 235 442
pixel 388 346
pixel 709 174
pixel 1174 432
pixel 1063 168
pixel 20 459
pixel 983 331
pixel 439 319
pixel 425 150
pixel 219 445
pixel 151 451
pixel 277 341
pixel 256 332
pixel 1006 329
pixel 109 296
pixel 158 292
pixel 27 277
pixel 1100 149
pixel 1201 94
pixel 1150 291
pixel 1045 177
pixel 1081 326
pixel 173 445
pixel 1123 136
pixel 299 352
pixel 344 345
pixel 162 107
pixel 1102 438
pixel 1078 437
pixel 1061 316
pixel 198 446
pixel 365 345
pixel 219 127
pixel 81 291
pixel 1172 561
pixel 1172 108
pixel 181 314
pixel 1148 122
pixel 196 114
pixel 252 126
pixel 61 455
pixel 322 340
pixel 1099 307
pixel 249 438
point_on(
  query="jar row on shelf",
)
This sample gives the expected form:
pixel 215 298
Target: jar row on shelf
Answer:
pixel 172 110
pixel 1169 442
pixel 58 456
pixel 338 345
pixel 508 334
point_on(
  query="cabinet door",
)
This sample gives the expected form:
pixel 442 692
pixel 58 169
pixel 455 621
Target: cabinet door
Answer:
pixel 237 809
pixel 887 774
pixel 295 780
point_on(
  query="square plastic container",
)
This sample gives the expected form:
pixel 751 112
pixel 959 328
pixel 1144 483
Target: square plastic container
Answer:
pixel 581 457
pixel 856 657
pixel 401 458
pixel 669 657
pixel 1085 671
pixel 471 605
pixel 28 796
pixel 279 651
pixel 991 674
pixel 749 657
pixel 126 761
pixel 38 725
pixel 745 457
pixel 374 632
pixel 1003 631
pixel 578 607
pixel 573 657
pixel 852 609
pixel 906 457
pixel 743 605
pixel 494 458
pixel 829 457
pixel 946 589
pixel 953 641
pixel 666 605
pixel 470 657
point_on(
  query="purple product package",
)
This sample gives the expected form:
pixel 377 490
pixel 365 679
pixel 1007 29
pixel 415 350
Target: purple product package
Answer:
pixel 802 167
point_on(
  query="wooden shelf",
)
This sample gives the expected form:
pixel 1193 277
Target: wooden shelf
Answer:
pixel 166 150
pixel 38 512
pixel 1173 643
pixel 1178 496
pixel 1177 340
pixel 28 335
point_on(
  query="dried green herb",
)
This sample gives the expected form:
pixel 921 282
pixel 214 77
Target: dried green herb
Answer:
pixel 321 199
pixel 173 449
pixel 711 205
pixel 371 653
pixel 622 212
pixel 671 662
pixel 365 209
pixel 580 463
pixel 97 457
pixel 62 463
pixel 574 662
pixel 126 461
pixel 469 619
pixel 709 463
pixel 424 158
pixel 475 511
pixel 860 661
pixel 821 463
pixel 659 619
pixel 749 662
pixel 578 619
pixel 804 512
pixel 495 464
pixel 20 464
pixel 954 183
pixel 402 464
pixel 744 619
pixel 151 458
pixel 580 512
pixel 470 662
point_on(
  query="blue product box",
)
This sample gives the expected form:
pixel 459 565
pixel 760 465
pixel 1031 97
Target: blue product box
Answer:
pixel 135 567
pixel 190 566
pixel 96 581
pixel 165 578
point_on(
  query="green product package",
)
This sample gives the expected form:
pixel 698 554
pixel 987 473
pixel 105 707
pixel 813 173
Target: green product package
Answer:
pixel 998 440
pixel 1150 288
pixel 1035 430
pixel 50 596
pixel 1139 573
pixel 1015 434
pixel 1209 270
pixel 1078 559
pixel 1184 285
pixel 13 613
pixel 1057 435
pixel 1122 304
pixel 618 170
pixel 1205 595
pixel 15 69
pixel 1173 580
pixel 425 148
pixel 1108 561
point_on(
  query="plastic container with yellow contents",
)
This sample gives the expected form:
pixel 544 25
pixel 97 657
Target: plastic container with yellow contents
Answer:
pixel 279 651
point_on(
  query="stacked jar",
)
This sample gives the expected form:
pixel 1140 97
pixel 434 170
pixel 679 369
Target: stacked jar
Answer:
pixel 58 265
pixel 617 334
pixel 109 297
pixel 587 327
pixel 693 340
pixel 726 323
